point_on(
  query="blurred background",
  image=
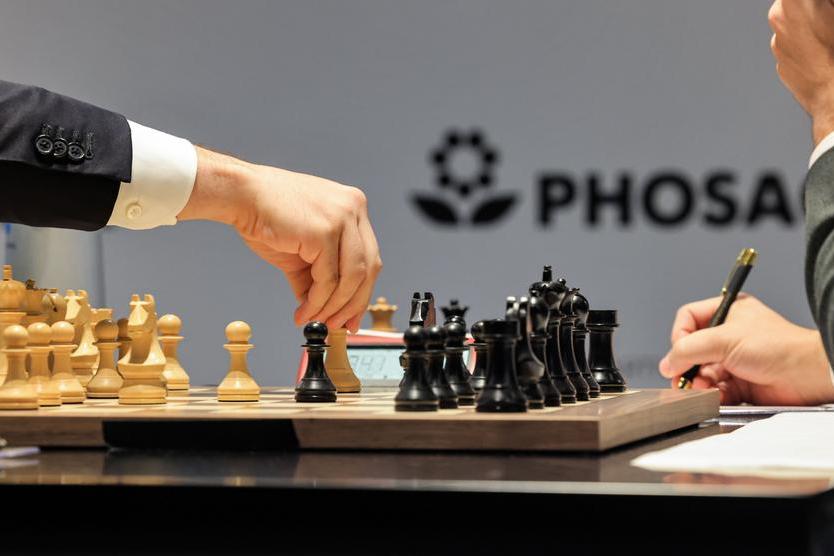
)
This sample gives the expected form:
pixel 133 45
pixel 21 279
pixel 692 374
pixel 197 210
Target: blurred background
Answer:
pixel 636 145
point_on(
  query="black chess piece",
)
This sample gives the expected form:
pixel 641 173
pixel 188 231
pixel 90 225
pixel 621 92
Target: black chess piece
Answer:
pixel 455 367
pixel 528 368
pixel 455 309
pixel 601 325
pixel 538 341
pixel 502 393
pixel 568 311
pixel 580 332
pixel 315 385
pixel 435 354
pixel 478 379
pixel 415 393
pixel 554 293
pixel 422 310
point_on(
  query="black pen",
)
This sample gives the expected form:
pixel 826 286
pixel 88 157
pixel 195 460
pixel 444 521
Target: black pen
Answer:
pixel 735 281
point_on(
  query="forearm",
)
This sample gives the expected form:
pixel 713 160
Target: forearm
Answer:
pixel 222 189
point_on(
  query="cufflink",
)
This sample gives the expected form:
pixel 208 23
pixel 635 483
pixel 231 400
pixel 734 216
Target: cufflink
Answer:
pixel 75 150
pixel 133 211
pixel 43 142
pixel 59 145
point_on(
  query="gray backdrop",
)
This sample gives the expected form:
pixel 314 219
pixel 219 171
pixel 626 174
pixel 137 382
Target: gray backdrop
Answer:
pixel 360 92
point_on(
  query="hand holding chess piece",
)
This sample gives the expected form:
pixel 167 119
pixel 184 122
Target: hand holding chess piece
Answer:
pixel 16 392
pixel 238 385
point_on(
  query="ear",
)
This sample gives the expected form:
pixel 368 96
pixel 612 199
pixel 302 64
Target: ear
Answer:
pixel 149 298
pixel 83 294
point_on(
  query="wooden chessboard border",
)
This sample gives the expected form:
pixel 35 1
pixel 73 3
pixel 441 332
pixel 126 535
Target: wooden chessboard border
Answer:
pixel 368 421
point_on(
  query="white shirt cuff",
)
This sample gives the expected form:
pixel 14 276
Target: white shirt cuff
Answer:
pixel 163 172
pixel 825 145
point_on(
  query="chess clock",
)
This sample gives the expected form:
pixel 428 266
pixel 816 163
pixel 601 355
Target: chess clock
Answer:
pixel 374 357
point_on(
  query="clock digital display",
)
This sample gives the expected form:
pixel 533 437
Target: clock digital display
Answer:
pixel 379 364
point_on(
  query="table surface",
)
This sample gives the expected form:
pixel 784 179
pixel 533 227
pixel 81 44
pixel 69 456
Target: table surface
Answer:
pixel 609 473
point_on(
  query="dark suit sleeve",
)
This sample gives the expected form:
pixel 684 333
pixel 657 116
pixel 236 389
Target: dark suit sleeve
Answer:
pixel 819 258
pixel 61 160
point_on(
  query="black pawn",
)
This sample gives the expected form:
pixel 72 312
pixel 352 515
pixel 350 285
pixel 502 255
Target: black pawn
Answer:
pixel 435 354
pixel 601 325
pixel 478 379
pixel 455 368
pixel 415 393
pixel 315 385
pixel 502 393
pixel 580 332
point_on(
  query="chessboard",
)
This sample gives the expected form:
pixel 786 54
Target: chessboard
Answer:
pixel 363 421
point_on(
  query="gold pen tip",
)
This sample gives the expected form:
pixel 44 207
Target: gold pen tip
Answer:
pixel 684 384
pixel 748 256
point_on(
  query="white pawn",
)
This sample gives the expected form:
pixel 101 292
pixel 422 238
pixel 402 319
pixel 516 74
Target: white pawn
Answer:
pixel 40 377
pixel 16 392
pixel 238 386
pixel 107 381
pixel 62 348
pixel 169 327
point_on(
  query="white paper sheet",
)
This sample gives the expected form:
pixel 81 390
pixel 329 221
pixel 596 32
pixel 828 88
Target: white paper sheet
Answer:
pixel 785 445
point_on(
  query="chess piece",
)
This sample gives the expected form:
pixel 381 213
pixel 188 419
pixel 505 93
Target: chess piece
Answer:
pixel 538 343
pixel 601 325
pixel 57 307
pixel 422 310
pixel 62 375
pixel 415 393
pixel 238 385
pixel 40 377
pixel 382 314
pixel 99 314
pixel 502 393
pixel 35 304
pixel 16 392
pixel 141 368
pixel 107 381
pixel 479 352
pixel 338 365
pixel 315 385
pixel 554 293
pixel 434 355
pixel 528 367
pixel 169 327
pixel 580 331
pixel 12 294
pixel 455 309
pixel 123 339
pixel 80 315
pixel 568 310
pixel 455 368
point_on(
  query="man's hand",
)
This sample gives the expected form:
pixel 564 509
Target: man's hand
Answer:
pixel 803 44
pixel 315 230
pixel 756 356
